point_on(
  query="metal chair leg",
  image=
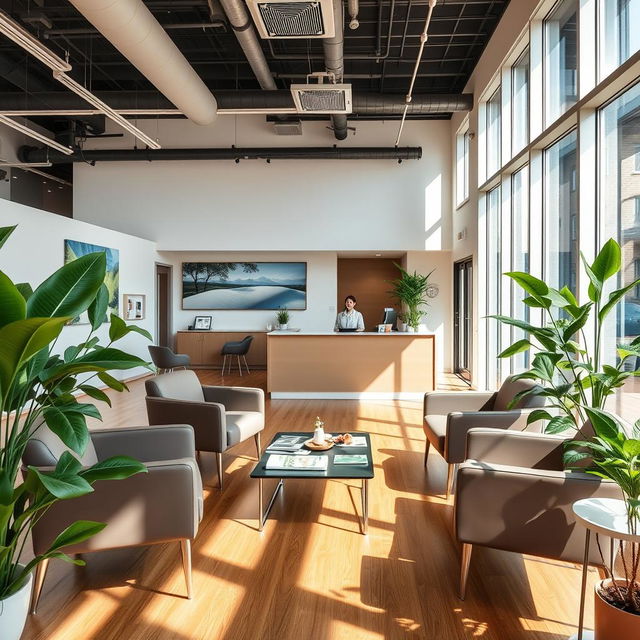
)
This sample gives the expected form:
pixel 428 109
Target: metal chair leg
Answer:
pixel 451 478
pixel 258 447
pixel 38 581
pixel 245 364
pixel 426 452
pixel 224 363
pixel 220 470
pixel 464 568
pixel 185 550
pixel 239 367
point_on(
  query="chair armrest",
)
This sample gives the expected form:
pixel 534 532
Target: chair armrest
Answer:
pixel 236 398
pixel 443 402
pixel 161 505
pixel 146 444
pixel 208 420
pixel 516 448
pixel 526 511
pixel 459 423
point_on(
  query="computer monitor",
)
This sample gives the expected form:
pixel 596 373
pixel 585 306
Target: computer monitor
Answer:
pixel 390 316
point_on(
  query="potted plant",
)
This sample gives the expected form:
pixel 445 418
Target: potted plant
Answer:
pixel 283 318
pixel 39 386
pixel 410 289
pixel 577 382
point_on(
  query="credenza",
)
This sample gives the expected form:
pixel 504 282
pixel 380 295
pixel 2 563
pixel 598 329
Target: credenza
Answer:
pixel 203 347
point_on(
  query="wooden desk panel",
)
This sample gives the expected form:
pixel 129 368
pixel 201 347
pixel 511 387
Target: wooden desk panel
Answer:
pixel 204 347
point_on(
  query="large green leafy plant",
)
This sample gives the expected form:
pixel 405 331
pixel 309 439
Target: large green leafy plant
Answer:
pixel 411 290
pixel 39 386
pixel 576 380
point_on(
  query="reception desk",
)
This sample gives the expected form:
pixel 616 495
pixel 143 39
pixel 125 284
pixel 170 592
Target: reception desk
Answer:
pixel 350 365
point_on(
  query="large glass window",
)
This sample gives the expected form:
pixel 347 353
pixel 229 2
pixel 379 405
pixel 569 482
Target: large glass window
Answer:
pixel 619 193
pixel 493 136
pixel 519 256
pixel 463 142
pixel 493 284
pixel 561 59
pixel 561 209
pixel 520 103
pixel 619 34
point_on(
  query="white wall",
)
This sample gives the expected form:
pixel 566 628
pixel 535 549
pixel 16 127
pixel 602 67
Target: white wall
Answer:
pixel 36 249
pixel 319 315
pixel 285 205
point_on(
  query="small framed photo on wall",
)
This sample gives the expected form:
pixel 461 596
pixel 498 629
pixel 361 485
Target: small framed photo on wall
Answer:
pixel 202 323
pixel 134 306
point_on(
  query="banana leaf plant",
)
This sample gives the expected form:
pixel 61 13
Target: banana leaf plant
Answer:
pixel 577 381
pixel 40 386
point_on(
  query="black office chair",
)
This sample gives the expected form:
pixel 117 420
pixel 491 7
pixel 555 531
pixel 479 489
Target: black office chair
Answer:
pixel 166 360
pixel 238 348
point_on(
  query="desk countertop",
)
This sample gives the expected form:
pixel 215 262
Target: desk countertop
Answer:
pixel 351 333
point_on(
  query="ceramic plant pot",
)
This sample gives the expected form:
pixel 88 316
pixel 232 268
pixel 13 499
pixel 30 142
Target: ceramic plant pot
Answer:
pixel 612 623
pixel 14 610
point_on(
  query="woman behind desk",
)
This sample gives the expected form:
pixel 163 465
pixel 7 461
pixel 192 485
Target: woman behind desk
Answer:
pixel 349 319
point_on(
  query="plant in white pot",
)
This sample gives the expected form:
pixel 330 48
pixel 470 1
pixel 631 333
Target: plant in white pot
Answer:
pixel 39 386
pixel 410 289
pixel 577 382
pixel 282 316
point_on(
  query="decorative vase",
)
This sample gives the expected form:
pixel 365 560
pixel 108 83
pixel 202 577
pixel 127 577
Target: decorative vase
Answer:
pixel 283 327
pixel 14 610
pixel 612 623
pixel 410 329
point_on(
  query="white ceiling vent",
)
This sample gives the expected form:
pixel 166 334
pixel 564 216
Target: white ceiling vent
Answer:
pixel 322 97
pixel 277 19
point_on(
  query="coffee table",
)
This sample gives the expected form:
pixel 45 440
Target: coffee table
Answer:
pixel 334 471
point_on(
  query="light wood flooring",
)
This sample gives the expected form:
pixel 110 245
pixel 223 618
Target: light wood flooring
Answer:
pixel 310 574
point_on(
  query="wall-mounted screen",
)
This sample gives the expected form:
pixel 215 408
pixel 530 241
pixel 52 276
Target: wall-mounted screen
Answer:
pixel 244 285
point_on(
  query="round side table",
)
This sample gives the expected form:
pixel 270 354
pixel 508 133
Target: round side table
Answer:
pixel 606 516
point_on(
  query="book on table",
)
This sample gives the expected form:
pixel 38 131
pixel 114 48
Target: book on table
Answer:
pixel 356 441
pixel 287 443
pixel 354 458
pixel 297 463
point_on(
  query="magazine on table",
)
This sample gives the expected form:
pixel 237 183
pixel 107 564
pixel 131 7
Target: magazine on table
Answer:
pixel 287 443
pixel 354 458
pixel 356 441
pixel 298 463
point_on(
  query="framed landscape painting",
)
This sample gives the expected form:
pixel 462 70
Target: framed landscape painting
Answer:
pixel 244 285
pixel 74 250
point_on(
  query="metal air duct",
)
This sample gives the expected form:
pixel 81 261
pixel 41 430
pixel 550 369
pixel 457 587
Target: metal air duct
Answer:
pixel 132 29
pixel 334 63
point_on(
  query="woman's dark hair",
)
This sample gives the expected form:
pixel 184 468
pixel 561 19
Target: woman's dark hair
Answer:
pixel 350 298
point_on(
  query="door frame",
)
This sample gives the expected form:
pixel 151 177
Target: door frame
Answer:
pixel 464 373
pixel 169 314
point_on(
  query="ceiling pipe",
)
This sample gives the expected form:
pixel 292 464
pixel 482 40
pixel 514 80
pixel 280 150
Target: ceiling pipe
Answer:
pixel 246 34
pixel 32 154
pixel 334 63
pixel 132 29
pixel 354 8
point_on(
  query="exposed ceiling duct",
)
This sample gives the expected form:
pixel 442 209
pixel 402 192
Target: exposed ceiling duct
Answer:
pixel 31 154
pixel 246 34
pixel 286 19
pixel 354 9
pixel 133 30
pixel 334 63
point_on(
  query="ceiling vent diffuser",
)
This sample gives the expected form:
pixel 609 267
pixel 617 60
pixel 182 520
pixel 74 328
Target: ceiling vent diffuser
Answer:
pixel 276 19
pixel 322 97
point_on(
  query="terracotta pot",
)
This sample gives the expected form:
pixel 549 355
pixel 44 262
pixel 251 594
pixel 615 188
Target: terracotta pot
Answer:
pixel 14 610
pixel 612 623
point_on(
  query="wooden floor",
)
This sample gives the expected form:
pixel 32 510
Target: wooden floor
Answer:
pixel 310 574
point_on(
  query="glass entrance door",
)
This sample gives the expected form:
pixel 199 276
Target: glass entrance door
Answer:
pixel 462 318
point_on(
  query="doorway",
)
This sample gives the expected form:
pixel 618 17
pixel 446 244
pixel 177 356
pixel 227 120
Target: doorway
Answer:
pixel 462 318
pixel 163 305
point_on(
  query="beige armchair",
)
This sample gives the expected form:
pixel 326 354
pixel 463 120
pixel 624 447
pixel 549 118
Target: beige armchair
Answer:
pixel 448 416
pixel 162 505
pixel 514 494
pixel 221 417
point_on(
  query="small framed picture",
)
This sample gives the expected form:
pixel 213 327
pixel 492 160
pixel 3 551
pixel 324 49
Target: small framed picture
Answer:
pixel 381 328
pixel 134 306
pixel 202 323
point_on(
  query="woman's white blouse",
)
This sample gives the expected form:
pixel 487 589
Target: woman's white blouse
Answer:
pixel 349 320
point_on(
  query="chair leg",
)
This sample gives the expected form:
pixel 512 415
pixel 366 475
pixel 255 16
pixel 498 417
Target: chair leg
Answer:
pixel 245 364
pixel 258 447
pixel 41 571
pixel 426 452
pixel 451 478
pixel 464 568
pixel 220 470
pixel 224 363
pixel 185 550
pixel 239 367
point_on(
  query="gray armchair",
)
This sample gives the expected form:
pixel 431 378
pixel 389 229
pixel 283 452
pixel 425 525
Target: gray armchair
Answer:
pixel 163 505
pixel 221 417
pixel 514 494
pixel 448 416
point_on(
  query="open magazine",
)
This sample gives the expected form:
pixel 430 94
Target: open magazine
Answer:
pixel 297 463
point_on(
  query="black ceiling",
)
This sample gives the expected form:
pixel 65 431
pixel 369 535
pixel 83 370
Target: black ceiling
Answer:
pixel 458 34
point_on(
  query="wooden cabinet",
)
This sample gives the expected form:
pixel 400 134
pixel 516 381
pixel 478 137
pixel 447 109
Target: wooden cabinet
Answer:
pixel 203 347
